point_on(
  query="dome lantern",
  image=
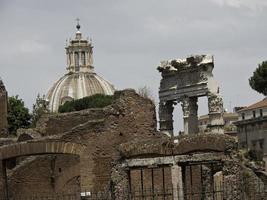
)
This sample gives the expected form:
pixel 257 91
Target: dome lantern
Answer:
pixel 79 53
pixel 81 80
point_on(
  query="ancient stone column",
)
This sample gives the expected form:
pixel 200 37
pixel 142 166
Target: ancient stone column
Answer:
pixel 177 182
pixel 216 122
pixel 166 117
pixel 190 107
pixel 3 110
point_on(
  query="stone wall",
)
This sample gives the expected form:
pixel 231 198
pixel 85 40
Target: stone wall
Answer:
pixel 3 109
pixel 42 175
pixel 52 124
pixel 206 164
pixel 129 118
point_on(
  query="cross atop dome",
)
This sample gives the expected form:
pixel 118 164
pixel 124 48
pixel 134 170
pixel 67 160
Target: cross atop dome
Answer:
pixel 78 24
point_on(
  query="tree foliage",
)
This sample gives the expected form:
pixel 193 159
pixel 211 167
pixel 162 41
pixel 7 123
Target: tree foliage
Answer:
pixel 18 115
pixel 39 108
pixel 146 93
pixel 95 101
pixel 258 81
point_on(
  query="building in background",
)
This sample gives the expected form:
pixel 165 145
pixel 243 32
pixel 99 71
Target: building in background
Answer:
pixel 252 128
pixel 80 80
pixel 229 127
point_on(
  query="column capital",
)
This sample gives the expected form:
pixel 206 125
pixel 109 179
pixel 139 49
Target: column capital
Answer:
pixel 215 103
pixel 185 106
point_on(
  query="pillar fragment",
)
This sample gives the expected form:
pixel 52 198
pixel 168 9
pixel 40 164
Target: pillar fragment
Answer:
pixel 216 122
pixel 190 108
pixel 166 117
pixel 177 182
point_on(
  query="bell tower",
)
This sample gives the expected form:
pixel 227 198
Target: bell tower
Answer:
pixel 79 53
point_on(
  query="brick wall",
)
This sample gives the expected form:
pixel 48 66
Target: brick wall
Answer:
pixel 53 124
pixel 129 118
pixel 42 175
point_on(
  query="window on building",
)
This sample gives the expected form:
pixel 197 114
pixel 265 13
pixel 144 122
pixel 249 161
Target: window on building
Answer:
pixel 254 113
pixel 83 58
pixel 77 68
pixel 70 62
pixel 243 116
pixel 261 142
pixel 261 113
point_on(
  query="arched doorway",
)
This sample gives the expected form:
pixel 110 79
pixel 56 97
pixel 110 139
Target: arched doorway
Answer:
pixel 33 148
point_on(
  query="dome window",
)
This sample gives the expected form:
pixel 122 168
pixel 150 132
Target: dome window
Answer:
pixel 77 67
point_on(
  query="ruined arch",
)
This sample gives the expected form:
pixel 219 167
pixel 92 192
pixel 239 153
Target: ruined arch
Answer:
pixel 30 148
pixel 40 147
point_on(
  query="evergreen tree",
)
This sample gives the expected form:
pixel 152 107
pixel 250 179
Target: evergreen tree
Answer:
pixel 94 101
pixel 258 81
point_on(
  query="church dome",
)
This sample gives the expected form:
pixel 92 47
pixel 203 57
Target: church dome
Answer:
pixel 81 80
pixel 76 86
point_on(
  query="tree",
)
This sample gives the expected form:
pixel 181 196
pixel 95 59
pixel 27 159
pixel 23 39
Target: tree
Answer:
pixel 94 101
pixel 146 93
pixel 18 115
pixel 39 108
pixel 258 81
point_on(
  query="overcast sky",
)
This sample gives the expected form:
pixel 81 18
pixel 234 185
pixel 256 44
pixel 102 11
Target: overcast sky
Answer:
pixel 130 39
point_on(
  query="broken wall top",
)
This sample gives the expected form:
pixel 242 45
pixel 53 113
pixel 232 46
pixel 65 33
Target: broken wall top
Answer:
pixel 164 146
pixel 186 64
pixel 2 87
pixel 126 104
pixel 191 77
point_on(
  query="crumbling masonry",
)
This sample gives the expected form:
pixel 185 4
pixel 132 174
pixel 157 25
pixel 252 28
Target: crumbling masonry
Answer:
pixel 183 81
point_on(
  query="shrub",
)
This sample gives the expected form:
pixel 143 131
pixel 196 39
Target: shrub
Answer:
pixel 94 101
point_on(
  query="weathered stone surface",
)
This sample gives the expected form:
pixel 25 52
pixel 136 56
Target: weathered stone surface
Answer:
pixel 165 146
pixel 205 142
pixel 120 182
pixel 52 124
pixel 183 81
pixel 42 175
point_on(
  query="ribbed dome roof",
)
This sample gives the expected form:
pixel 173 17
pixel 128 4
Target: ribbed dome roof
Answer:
pixel 81 80
pixel 75 86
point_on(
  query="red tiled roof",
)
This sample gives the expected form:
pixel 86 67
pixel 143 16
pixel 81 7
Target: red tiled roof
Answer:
pixel 260 104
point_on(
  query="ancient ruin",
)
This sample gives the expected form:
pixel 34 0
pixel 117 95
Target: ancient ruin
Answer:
pixel 201 166
pixel 116 152
pixel 73 152
pixel 183 81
